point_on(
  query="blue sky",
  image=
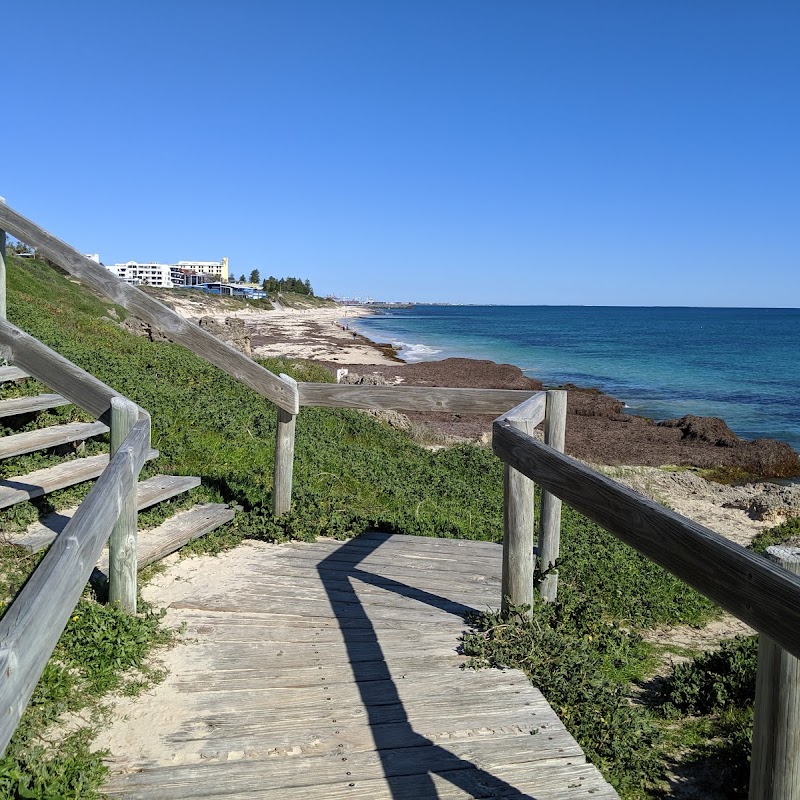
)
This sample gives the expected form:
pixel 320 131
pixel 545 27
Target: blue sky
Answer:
pixel 515 151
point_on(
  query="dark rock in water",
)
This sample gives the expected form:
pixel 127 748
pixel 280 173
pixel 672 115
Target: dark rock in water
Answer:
pixel 704 429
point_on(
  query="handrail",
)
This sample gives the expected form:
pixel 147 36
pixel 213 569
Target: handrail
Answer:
pixel 32 625
pixel 56 372
pixel 413 398
pixel 759 593
pixel 165 319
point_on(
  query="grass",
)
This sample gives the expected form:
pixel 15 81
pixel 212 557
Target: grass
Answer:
pixel 353 473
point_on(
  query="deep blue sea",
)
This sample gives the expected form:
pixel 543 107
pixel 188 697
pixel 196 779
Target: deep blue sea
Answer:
pixel 741 364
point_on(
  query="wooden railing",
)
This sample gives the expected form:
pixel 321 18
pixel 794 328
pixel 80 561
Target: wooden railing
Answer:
pixel 752 588
pixel 31 626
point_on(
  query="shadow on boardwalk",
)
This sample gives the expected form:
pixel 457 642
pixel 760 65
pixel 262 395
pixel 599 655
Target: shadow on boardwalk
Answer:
pixel 373 675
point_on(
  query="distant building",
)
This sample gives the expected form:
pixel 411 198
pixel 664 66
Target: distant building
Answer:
pixel 184 273
pixel 217 269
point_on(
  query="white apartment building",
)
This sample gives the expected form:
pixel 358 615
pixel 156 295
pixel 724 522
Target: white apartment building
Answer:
pixel 168 275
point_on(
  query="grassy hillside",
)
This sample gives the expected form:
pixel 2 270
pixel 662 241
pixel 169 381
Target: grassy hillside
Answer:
pixel 352 473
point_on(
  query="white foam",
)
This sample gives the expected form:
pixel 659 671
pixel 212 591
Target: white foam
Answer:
pixel 415 352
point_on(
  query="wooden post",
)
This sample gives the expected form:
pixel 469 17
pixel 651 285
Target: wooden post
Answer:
pixel 284 459
pixel 775 762
pixel 555 424
pixel 518 526
pixel 122 564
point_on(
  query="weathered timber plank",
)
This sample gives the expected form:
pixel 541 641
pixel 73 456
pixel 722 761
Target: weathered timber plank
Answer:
pixel 527 711
pixel 12 374
pixel 43 481
pixel 547 782
pixel 173 534
pixel 294 675
pixel 28 405
pixel 329 767
pixel 532 411
pixel 137 302
pixel 242 630
pixel 276 736
pixel 471 585
pixel 415 695
pixel 148 493
pixel 412 398
pixel 55 371
pixel 759 593
pixel 286 593
pixel 410 546
pixel 31 626
pixel 30 441
pixel 354 613
pixel 359 558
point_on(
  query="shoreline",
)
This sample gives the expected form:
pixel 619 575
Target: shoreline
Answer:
pixel 599 431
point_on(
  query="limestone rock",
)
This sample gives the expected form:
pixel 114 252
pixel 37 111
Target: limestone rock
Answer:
pixel 231 330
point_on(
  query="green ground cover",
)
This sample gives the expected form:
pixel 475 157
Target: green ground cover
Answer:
pixel 351 473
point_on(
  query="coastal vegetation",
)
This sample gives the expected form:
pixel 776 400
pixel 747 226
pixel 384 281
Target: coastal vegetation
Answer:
pixel 587 652
pixel 274 285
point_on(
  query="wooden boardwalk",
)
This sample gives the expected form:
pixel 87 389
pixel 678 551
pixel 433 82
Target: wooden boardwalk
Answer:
pixel 332 670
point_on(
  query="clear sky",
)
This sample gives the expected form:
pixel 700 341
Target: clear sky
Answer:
pixel 623 152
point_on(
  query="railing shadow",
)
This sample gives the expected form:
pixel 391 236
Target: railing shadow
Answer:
pixel 396 742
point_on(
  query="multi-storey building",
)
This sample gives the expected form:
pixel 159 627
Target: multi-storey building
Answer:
pixel 184 273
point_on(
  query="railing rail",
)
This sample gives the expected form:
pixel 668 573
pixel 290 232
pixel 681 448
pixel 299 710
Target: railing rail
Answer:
pixel 759 593
pixel 412 398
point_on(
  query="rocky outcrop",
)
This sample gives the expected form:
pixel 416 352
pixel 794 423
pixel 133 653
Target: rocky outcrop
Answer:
pixel 703 429
pixel 138 327
pixel 231 330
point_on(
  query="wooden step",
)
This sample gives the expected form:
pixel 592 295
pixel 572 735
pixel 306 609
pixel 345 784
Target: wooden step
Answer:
pixel 173 534
pixel 43 481
pixel 148 493
pixel 26 405
pixel 12 374
pixel 31 441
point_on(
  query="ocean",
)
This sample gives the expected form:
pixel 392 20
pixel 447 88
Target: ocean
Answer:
pixel 741 364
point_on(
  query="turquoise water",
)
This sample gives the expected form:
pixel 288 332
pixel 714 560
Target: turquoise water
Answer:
pixel 740 364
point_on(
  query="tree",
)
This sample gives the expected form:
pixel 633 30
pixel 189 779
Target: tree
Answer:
pixel 241 279
pixel 254 276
